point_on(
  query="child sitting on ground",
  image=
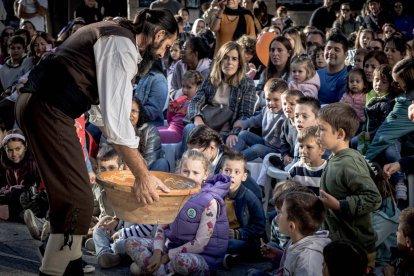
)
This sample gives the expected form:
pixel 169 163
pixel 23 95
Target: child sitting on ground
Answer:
pixel 308 170
pixel 197 239
pixel 21 174
pixel 177 109
pixel 271 118
pixel 403 262
pixel 347 188
pixel 245 214
pixel 300 217
pixel 303 76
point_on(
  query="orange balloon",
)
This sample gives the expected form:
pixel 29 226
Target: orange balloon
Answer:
pixel 263 45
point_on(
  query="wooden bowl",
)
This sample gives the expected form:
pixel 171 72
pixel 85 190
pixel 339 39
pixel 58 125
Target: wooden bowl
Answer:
pixel 119 189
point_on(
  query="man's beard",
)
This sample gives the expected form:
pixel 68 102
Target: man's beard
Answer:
pixel 149 57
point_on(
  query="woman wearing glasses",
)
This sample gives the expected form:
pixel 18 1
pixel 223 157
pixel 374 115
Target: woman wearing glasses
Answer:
pixel 346 21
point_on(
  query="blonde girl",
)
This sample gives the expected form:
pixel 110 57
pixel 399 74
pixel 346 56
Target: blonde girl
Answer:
pixel 196 242
pixel 303 76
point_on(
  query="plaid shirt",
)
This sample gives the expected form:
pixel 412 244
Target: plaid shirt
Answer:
pixel 242 101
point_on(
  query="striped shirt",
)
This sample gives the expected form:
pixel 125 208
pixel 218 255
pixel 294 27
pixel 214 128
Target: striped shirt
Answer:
pixel 307 176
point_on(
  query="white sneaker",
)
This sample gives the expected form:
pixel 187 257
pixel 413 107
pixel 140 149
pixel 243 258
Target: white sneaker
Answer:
pixel 401 191
pixel 135 269
pixel 90 245
pixel 33 223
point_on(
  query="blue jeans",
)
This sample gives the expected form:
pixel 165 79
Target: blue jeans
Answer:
pixel 186 132
pixel 252 146
pixel 161 165
pixel 248 249
pixel 102 241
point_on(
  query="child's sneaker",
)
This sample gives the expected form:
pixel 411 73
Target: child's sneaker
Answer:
pixel 87 268
pixel 108 259
pixel 230 260
pixel 276 161
pixel 401 190
pixel 135 269
pixel 90 245
pixel 33 223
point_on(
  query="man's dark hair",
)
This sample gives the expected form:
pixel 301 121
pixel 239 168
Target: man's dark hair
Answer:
pixel 338 38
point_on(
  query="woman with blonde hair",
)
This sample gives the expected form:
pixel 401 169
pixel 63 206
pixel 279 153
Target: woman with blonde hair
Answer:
pixel 225 97
pixel 295 40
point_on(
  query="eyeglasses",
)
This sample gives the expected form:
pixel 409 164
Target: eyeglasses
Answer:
pixel 345 10
pixel 8 34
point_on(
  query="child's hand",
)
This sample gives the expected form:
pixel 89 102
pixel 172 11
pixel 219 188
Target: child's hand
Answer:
pixel 329 201
pixel 286 160
pixel 388 270
pixel 367 136
pixel 231 140
pixel 269 252
pixel 154 262
pixel 115 236
pixel 411 111
pixel 92 177
pixel 198 121
pixel 232 235
pixel 237 124
pixel 391 168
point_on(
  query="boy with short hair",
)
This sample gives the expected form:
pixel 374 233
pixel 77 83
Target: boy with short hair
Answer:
pixel 300 217
pixel 288 135
pixel 347 187
pixel 308 170
pixel 110 232
pixel 306 112
pixel 403 263
pixel 271 118
pixel 14 67
pixel 244 211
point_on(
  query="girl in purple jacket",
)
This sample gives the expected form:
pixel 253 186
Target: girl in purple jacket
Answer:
pixel 196 242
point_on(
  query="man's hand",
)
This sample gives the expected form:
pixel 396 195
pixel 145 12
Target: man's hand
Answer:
pixel 232 235
pixel 145 188
pixel 391 168
pixel 231 140
pixel 329 201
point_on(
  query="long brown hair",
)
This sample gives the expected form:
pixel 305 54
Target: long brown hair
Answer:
pixel 217 76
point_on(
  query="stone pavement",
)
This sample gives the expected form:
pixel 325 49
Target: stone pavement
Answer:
pixel 18 255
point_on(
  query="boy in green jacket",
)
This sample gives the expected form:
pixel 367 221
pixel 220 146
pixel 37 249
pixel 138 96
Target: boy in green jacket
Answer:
pixel 347 189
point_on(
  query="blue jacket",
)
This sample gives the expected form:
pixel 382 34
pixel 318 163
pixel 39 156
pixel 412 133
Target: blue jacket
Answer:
pixel 152 91
pixel 396 126
pixel 250 215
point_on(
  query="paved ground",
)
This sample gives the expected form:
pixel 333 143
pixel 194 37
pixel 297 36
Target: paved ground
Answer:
pixel 18 255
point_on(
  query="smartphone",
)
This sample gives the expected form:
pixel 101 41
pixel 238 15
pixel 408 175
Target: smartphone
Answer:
pixel 48 47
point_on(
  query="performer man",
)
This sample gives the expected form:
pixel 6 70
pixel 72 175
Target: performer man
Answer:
pixel 93 66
